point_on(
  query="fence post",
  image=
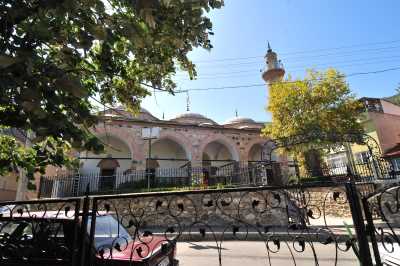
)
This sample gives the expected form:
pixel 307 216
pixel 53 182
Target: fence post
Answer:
pixel 40 187
pixel 84 248
pixel 358 222
pixel 371 231
pixel 92 229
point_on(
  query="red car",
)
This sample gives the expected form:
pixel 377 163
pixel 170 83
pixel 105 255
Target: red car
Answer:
pixel 49 238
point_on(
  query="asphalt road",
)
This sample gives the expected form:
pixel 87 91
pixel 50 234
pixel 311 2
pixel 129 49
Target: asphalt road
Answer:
pixel 253 253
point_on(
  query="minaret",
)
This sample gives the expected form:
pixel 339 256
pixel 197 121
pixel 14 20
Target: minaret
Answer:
pixel 274 71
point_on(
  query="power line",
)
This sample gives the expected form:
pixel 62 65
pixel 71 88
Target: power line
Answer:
pixel 370 61
pixel 249 86
pixel 300 52
pixel 303 59
pixel 241 66
pixel 286 82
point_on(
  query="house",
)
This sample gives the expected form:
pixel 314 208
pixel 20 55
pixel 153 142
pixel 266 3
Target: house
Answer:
pixel 381 121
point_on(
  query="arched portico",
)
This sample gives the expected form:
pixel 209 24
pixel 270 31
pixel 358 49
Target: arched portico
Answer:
pixel 169 153
pixel 259 151
pixel 117 157
pixel 219 152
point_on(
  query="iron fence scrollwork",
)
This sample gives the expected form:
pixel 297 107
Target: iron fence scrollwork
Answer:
pixel 384 232
pixel 294 219
pixel 291 221
pixel 39 232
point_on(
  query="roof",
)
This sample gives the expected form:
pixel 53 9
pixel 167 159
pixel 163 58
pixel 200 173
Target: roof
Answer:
pixel 393 152
pixel 193 118
pixel 395 99
pixel 120 111
pixel 237 120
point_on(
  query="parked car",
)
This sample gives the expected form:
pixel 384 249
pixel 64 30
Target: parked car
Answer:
pixel 41 239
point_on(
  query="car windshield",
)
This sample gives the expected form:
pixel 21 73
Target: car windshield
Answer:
pixel 8 227
pixel 109 232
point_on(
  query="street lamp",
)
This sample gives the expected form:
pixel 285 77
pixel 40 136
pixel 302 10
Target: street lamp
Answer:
pixel 149 133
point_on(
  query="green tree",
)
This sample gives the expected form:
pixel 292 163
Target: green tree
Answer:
pixel 55 56
pixel 320 103
pixel 396 98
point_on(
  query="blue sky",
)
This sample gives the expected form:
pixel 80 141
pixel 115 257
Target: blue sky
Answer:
pixel 352 36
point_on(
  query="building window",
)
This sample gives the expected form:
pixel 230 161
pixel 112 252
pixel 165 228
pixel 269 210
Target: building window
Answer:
pixel 396 164
pixel 361 157
pixel 336 160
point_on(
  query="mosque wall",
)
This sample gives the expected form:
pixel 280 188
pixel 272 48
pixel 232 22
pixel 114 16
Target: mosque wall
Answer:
pixel 179 141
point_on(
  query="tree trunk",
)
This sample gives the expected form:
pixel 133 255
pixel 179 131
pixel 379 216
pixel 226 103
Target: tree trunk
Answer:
pixel 313 163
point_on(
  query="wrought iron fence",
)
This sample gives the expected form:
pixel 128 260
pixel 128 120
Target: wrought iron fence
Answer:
pixel 43 232
pixel 232 174
pixel 385 231
pixel 279 216
pixel 152 180
pixel 292 220
pixel 284 218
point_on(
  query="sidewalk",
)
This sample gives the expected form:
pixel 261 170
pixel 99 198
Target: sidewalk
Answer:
pixel 316 231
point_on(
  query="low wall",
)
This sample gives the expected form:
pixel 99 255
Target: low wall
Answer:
pixel 224 209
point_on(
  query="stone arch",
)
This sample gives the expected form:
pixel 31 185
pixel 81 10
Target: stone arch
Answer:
pixel 180 139
pixel 116 149
pixel 256 151
pixel 109 140
pixel 170 152
pixel 123 134
pixel 216 149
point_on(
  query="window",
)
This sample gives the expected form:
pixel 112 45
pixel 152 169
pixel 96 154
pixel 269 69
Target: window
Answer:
pixel 396 164
pixel 336 160
pixel 108 232
pixel 361 157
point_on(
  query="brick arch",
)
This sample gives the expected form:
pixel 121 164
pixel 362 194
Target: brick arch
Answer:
pixel 179 139
pixel 231 146
pixel 122 134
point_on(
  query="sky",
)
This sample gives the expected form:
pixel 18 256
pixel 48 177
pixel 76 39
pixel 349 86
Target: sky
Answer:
pixel 351 36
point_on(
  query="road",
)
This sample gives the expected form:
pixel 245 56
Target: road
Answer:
pixel 253 253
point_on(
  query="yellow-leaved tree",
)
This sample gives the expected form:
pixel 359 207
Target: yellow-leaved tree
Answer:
pixel 322 103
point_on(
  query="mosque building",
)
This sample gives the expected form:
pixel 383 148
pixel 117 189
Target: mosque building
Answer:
pixel 189 137
pixel 185 145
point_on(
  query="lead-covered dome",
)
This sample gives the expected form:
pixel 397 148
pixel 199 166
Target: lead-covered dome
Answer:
pixel 239 120
pixel 120 112
pixel 193 118
pixel 242 123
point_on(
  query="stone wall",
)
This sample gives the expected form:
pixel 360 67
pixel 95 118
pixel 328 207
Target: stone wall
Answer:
pixel 331 202
pixel 185 211
pixel 193 139
pixel 254 210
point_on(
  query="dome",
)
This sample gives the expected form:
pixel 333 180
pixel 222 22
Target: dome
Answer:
pixel 120 111
pixel 193 118
pixel 143 110
pixel 239 120
pixel 122 108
